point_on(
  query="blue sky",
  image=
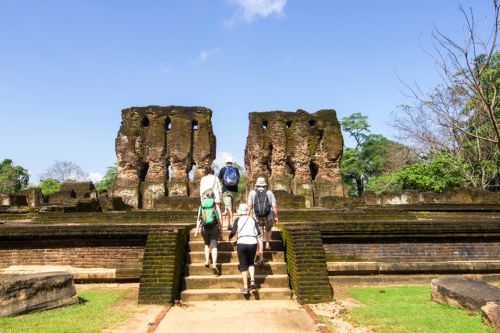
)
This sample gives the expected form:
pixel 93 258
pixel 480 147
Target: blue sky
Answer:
pixel 67 68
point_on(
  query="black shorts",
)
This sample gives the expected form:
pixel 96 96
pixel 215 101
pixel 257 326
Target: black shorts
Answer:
pixel 246 255
pixel 210 234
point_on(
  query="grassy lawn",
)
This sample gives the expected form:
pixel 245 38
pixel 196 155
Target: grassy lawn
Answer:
pixel 93 314
pixel 410 309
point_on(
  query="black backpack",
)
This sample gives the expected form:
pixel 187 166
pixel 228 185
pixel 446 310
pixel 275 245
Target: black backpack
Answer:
pixel 261 206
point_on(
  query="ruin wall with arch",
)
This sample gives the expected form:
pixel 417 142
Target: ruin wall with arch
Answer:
pixel 162 152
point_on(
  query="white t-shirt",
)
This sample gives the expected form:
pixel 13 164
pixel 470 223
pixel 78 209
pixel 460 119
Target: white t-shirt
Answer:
pixel 247 230
pixel 211 182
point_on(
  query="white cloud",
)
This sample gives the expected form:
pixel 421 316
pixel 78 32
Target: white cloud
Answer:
pixel 204 55
pixel 250 10
pixel 95 177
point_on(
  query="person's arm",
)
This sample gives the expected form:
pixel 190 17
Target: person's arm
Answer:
pixel 250 204
pixel 274 206
pixel 221 173
pixel 235 228
pixel 219 216
pixel 198 222
pixel 275 212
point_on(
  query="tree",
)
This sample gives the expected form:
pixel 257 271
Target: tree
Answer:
pixel 49 186
pixel 436 175
pixel 459 119
pixel 65 171
pixel 13 178
pixel 373 155
pixel 108 179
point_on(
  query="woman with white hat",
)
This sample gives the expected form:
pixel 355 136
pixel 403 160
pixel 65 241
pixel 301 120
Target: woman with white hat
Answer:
pixel 248 231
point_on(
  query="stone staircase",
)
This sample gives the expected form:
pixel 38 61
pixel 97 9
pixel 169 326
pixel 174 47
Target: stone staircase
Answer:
pixel 200 283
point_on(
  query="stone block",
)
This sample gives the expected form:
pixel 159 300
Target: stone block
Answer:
pixel 29 292
pixel 491 314
pixel 464 293
pixel 286 200
pixel 177 203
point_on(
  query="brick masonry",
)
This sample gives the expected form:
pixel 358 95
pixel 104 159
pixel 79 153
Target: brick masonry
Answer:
pixel 154 252
pixel 306 263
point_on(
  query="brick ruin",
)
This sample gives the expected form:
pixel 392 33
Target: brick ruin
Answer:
pixel 298 152
pixel 161 152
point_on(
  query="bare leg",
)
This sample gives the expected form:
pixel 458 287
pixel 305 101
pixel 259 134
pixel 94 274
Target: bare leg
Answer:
pixel 229 214
pixel 251 269
pixel 268 239
pixel 207 260
pixel 244 275
pixel 214 256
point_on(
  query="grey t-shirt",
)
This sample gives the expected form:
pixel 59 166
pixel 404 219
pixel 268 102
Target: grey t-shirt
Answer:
pixel 270 197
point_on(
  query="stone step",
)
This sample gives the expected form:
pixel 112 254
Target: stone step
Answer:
pixel 235 294
pixel 232 268
pixel 234 281
pixel 226 257
pixel 275 235
pixel 199 245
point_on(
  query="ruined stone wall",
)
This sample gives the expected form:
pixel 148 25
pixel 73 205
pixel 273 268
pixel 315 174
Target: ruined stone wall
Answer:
pixel 298 152
pixel 157 148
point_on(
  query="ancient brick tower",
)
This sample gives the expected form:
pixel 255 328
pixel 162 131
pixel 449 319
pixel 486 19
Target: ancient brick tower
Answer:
pixel 298 152
pixel 158 149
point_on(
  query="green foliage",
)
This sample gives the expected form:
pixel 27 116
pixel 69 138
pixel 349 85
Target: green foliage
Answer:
pixel 49 186
pixel 410 309
pixel 90 317
pixel 437 175
pixel 357 126
pixel 108 179
pixel 13 178
pixel 370 158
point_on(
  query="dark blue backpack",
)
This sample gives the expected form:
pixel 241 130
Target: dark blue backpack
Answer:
pixel 231 176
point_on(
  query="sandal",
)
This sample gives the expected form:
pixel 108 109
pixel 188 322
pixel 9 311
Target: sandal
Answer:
pixel 206 264
pixel 253 287
pixel 244 291
pixel 215 269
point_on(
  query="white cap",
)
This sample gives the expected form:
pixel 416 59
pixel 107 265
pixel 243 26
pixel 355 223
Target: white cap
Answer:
pixel 243 209
pixel 229 159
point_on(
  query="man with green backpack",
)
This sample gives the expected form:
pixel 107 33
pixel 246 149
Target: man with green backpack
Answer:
pixel 211 228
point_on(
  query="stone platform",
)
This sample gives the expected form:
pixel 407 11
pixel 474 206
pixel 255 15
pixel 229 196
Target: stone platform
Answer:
pixel 29 292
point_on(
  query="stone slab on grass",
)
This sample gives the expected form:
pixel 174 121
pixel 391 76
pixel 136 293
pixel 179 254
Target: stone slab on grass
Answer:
pixel 491 314
pixel 464 293
pixel 28 292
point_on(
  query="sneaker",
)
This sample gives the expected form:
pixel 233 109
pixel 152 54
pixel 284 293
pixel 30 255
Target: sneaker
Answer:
pixel 215 269
pixel 206 264
pixel 253 287
pixel 268 247
pixel 244 291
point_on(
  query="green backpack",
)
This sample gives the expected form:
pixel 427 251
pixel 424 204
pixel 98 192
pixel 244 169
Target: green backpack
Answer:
pixel 208 212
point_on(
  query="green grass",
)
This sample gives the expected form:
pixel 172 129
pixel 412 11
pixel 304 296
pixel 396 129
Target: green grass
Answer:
pixel 410 309
pixel 92 315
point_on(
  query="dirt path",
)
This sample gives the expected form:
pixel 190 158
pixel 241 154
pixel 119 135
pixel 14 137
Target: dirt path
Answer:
pixel 238 316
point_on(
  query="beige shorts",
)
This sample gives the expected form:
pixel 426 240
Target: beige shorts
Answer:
pixel 228 200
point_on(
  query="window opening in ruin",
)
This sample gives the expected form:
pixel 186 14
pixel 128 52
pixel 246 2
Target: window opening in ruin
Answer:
pixel 169 172
pixel 191 172
pixel 288 124
pixel 168 124
pixel 264 124
pixel 144 171
pixel 312 122
pixel 194 125
pixel 313 167
pixel 145 121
